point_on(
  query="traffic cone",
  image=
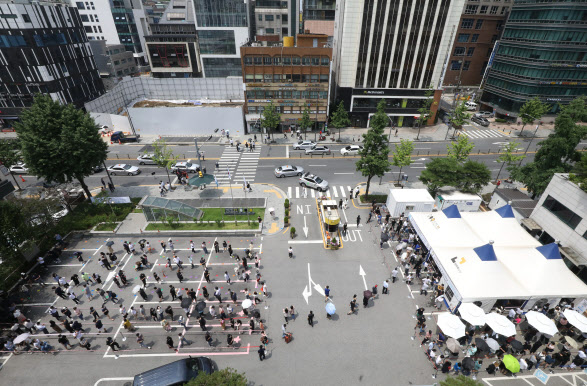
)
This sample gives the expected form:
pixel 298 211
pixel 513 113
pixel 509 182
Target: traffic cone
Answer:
pixel 22 179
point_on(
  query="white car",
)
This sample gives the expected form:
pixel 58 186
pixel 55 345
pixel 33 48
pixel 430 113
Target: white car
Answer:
pixel 314 182
pixel 104 129
pixel 351 150
pixel 288 171
pixel 318 149
pixel 185 167
pixel 146 159
pixel 19 168
pixel 61 213
pixel 121 169
pixel 302 145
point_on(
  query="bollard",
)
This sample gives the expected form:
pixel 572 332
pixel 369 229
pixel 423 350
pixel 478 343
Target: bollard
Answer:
pixel 478 151
pixel 127 155
pixel 438 152
pixel 488 151
pixel 117 157
pixel 418 152
pixel 428 152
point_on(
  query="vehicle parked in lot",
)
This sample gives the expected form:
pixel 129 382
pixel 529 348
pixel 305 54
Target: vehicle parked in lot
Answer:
pixel 175 373
pixel 288 171
pixel 302 145
pixel 351 150
pixel 318 149
pixel 121 169
pixel 145 159
pixel 480 120
pixel 484 114
pixel 185 167
pixel 311 181
pixel 119 136
pixel 19 168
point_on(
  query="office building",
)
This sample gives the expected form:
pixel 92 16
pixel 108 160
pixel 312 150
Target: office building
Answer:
pixel 275 19
pixel 391 50
pixel 44 49
pixel 172 46
pixel 561 216
pixel 542 52
pixel 113 60
pixel 478 30
pixel 222 27
pixel 292 78
pixel 154 10
pixel 318 16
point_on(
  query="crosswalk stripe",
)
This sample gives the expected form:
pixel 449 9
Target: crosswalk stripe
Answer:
pixel 328 193
pixel 297 191
pixel 289 192
pixel 313 194
pixel 334 191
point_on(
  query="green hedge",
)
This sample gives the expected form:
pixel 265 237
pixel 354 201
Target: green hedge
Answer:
pixel 379 198
pixel 500 120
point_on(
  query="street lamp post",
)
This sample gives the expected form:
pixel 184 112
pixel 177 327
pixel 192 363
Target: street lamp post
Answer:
pixel 419 128
pixel 531 139
pixel 390 128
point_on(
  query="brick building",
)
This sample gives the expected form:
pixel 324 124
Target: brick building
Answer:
pixel 479 28
pixel 290 77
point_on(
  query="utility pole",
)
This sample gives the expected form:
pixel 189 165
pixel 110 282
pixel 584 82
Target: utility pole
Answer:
pixel 198 152
pixel 531 139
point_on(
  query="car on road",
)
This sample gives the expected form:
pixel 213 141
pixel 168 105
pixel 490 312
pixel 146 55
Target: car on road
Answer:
pixel 97 169
pixel 318 149
pixel 302 145
pixel 288 171
pixel 19 168
pixel 480 120
pixel 121 169
pixel 175 373
pixel 185 167
pixel 311 181
pixel 146 159
pixel 351 150
pixel 484 114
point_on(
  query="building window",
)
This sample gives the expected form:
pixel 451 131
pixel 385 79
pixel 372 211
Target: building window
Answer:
pixel 459 51
pixel 258 60
pixel 562 212
pixel 463 38
pixel 80 5
pixel 479 24
pixel 483 9
pixel 306 61
pixel 88 29
pixel 260 17
pixel 277 60
pixel 470 51
pixel 504 10
pixel 466 65
pixel 84 18
pixel 222 67
pixel 287 61
pixel 474 38
pixel 483 69
pixel 284 18
pixel 494 10
pixel 268 17
pixel 248 60
pixel 455 65
pixel 467 23
pixel 585 235
pixel 99 29
pixel 471 9
pixel 499 25
pixel 91 18
pixel 285 31
pixel 269 30
pixel 325 61
pixel 218 42
pixel 296 61
pixel 278 16
pixel 221 13
pixel 267 60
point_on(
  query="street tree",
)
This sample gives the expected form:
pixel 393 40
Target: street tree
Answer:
pixel 402 156
pixel 340 118
pixel 270 118
pixel 306 122
pixel 59 142
pixel 460 149
pixel 438 173
pixel 459 116
pixel 579 173
pixel 507 157
pixel 163 156
pixel 472 176
pixel 532 110
pixel 9 155
pixel 374 159
pixel 426 110
pixel 577 109
pixel 224 377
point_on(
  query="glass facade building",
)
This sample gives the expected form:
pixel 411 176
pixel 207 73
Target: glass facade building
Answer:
pixel 542 52
pixel 221 13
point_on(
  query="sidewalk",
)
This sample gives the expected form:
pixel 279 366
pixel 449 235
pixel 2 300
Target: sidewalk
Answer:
pixel 274 199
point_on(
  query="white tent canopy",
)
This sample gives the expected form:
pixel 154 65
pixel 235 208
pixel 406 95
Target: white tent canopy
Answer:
pixel 486 256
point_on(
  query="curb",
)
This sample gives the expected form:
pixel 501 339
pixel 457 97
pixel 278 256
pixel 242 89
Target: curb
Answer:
pixel 235 232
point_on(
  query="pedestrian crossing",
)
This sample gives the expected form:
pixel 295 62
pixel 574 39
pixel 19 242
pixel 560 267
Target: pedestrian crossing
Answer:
pixel 247 166
pixel 227 165
pixel 234 166
pixel 333 192
pixel 489 133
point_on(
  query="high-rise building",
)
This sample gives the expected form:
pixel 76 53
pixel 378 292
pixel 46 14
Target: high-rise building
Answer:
pixel 318 16
pixel 275 19
pixel 44 49
pixel 480 27
pixel 117 22
pixel 292 78
pixel 222 27
pixel 542 52
pixel 394 50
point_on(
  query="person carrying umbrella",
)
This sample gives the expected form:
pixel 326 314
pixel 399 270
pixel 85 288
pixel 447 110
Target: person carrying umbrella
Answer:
pixel 353 305
pixel 366 296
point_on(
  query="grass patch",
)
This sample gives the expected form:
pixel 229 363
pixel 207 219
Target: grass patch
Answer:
pixel 379 198
pixel 213 214
pixel 107 226
pixel 190 226
pixel 137 210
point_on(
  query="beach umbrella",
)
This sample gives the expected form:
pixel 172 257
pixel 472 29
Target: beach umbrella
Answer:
pixel 330 308
pixel 572 342
pixel 136 289
pixel 247 303
pixel 511 363
pixel 21 338
pixel 576 319
pixel 492 344
pixel 500 324
pixel 541 322
pixel 453 345
pixel 472 314
pixel 451 325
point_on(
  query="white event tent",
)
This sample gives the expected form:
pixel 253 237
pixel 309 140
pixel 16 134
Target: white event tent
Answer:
pixel 488 256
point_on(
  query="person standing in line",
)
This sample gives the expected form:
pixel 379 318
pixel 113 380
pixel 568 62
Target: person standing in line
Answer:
pixel 216 247
pixel 170 342
pixel 207 275
pixel 290 252
pixel 286 314
pixel 358 220
pixel 179 276
pixel 73 297
pixel 261 352
pixel 311 318
pixel 172 292
pixel 164 246
pixel 192 246
pixel 159 293
pixel 171 246
pixel 292 313
pixel 141 340
pixel 353 305
pixel 204 247
pixel 112 344
pixel 217 295
pixel 327 294
pixel 385 289
pixel 394 274
pixel 143 278
pixel 227 277
pixel 283 330
pixel 157 278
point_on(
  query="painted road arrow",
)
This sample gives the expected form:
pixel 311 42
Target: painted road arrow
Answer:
pixel 305 228
pixel 308 290
pixel 362 273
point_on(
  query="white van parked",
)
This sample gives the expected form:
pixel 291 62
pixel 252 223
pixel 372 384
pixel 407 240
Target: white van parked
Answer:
pixel 471 106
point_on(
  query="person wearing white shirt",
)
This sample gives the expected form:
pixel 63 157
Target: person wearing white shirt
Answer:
pixel 512 314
